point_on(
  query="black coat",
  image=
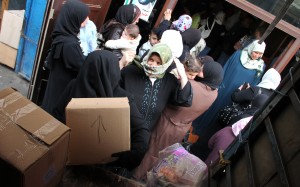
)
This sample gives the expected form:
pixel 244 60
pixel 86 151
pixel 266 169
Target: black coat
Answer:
pixel 113 28
pixel 66 57
pixel 152 99
pixel 99 77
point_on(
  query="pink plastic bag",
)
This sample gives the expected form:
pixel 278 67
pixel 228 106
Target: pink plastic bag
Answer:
pixel 176 167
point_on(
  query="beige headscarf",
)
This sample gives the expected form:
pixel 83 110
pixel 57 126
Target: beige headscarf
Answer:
pixel 166 57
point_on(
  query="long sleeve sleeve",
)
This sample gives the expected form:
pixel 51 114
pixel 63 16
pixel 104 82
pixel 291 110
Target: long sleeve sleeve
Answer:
pixel 243 96
pixel 117 44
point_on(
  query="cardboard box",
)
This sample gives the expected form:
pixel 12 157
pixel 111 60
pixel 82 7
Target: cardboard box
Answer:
pixel 99 127
pixel 33 145
pixel 8 55
pixel 11 27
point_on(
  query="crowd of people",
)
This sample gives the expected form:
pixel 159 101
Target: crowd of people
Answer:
pixel 170 85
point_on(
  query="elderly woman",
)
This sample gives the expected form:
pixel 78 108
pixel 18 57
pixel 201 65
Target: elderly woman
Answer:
pixel 153 87
pixel 113 28
pixel 242 67
pixel 175 121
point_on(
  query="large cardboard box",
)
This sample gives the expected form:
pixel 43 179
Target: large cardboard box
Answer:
pixel 8 55
pixel 11 27
pixel 99 127
pixel 33 145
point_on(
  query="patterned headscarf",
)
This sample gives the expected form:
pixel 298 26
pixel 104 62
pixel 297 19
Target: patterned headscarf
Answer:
pixel 166 57
pixel 183 23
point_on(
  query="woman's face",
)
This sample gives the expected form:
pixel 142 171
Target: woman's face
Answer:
pixel 84 22
pixel 154 60
pixel 255 55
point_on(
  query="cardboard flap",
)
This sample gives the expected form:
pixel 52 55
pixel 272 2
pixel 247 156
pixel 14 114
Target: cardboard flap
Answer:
pixel 119 102
pixel 30 117
pixel 17 147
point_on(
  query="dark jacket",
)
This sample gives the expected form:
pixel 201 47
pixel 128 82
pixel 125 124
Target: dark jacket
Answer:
pixel 66 57
pixel 112 30
pixel 152 99
pixel 99 77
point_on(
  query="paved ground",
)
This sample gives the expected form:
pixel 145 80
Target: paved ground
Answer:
pixel 9 78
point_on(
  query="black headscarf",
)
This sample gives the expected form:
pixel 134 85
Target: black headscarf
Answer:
pixel 206 59
pixel 126 14
pixel 213 75
pixel 69 20
pixel 98 77
pixel 190 38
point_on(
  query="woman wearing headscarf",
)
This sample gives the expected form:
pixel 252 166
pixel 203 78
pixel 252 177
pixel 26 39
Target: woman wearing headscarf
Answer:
pixel 113 28
pixel 175 121
pixel 173 39
pixel 269 82
pixel 224 137
pixel 66 57
pixel 183 23
pixel 99 78
pixel 243 66
pixel 153 88
pixel 190 38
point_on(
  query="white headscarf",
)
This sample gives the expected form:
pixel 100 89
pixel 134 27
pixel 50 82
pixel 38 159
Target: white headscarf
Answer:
pixel 246 60
pixel 270 80
pixel 174 40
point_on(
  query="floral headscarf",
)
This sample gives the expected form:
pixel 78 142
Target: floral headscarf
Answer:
pixel 183 23
pixel 166 57
pixel 246 60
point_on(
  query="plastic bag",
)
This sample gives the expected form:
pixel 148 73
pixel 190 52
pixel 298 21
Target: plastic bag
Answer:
pixel 176 167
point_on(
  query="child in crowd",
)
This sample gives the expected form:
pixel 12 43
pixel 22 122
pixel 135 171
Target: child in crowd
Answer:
pixel 129 40
pixel 153 39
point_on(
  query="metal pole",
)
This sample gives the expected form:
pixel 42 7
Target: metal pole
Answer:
pixel 276 20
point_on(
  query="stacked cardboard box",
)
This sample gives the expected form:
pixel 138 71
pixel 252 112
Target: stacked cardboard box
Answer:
pixel 11 28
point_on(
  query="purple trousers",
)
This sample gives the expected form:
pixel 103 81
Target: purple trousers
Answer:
pixel 219 141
